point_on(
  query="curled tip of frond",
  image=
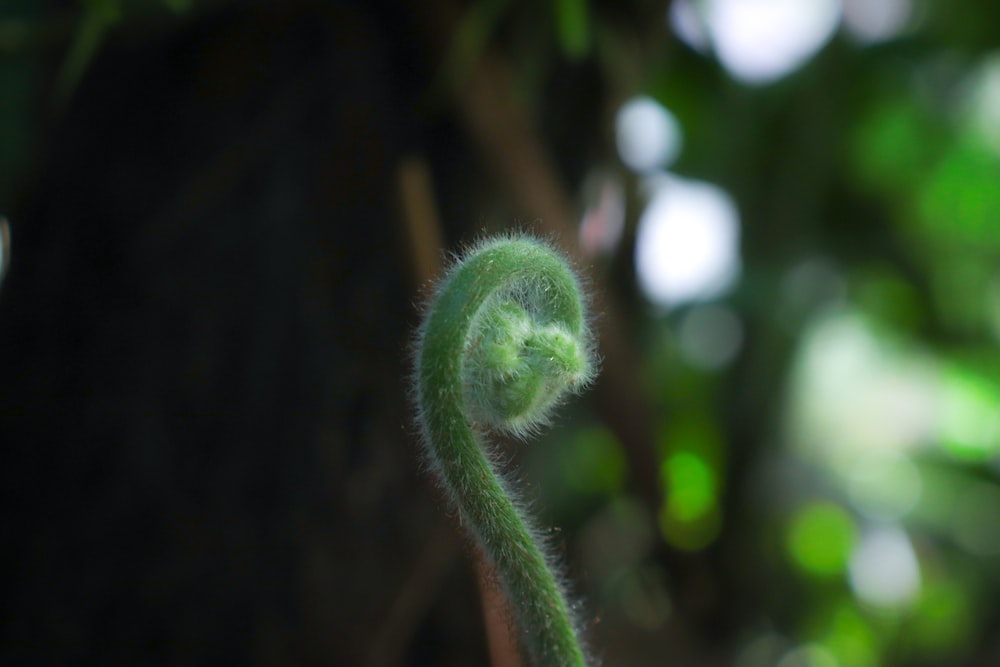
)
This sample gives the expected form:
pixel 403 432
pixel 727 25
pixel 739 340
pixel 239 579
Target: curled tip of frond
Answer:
pixel 517 368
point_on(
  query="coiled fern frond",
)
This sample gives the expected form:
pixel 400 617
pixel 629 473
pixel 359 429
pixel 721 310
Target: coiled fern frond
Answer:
pixel 504 340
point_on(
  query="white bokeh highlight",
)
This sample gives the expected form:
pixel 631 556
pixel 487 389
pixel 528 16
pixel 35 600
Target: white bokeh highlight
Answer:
pixel 884 571
pixel 648 136
pixel 758 41
pixel 687 242
pixel 982 102
pixel 689 24
pixel 854 394
pixel 873 21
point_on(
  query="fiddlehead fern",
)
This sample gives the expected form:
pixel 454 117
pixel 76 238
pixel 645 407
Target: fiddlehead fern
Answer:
pixel 504 339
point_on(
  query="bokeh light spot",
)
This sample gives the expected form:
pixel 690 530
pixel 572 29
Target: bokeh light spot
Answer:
pixel 688 24
pixel 604 219
pixel 573 22
pixel 759 41
pixel 687 242
pixel 884 485
pixel 961 203
pixel 983 103
pixel 648 135
pixel 871 21
pixel 820 539
pixel 710 337
pixel 690 517
pixel 894 145
pixel 691 486
pixel 811 285
pixel 884 572
pixel 850 638
pixel 856 392
pixel 943 619
pixel 970 416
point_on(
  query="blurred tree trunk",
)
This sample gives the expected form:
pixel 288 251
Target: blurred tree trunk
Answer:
pixel 203 345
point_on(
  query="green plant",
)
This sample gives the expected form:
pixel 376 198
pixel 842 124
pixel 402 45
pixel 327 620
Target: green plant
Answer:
pixel 504 340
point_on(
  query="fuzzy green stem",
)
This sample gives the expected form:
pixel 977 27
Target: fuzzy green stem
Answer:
pixel 504 339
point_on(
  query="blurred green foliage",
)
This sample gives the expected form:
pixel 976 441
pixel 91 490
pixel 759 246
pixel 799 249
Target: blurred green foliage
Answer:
pixel 869 187
pixel 820 539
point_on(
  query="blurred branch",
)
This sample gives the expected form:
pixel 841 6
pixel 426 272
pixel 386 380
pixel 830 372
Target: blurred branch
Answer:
pixel 420 218
pixel 415 597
